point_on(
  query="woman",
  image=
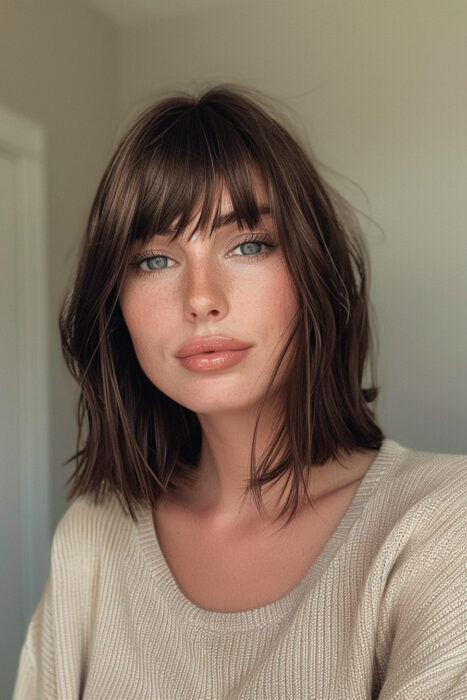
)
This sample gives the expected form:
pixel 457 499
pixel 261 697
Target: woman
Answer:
pixel 242 529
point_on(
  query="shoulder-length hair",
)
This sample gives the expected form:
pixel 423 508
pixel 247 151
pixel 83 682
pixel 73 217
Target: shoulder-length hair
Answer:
pixel 132 438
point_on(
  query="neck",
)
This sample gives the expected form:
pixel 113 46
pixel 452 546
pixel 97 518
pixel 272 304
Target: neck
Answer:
pixel 223 472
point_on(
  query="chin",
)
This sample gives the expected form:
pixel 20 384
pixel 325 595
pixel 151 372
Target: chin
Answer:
pixel 214 392
pixel 213 405
pixel 217 399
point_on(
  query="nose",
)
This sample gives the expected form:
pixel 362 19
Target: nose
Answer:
pixel 205 292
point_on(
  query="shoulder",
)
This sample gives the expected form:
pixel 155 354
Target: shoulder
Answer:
pixel 418 525
pixel 418 514
pixel 415 476
pixel 418 505
pixel 92 527
pixel 419 571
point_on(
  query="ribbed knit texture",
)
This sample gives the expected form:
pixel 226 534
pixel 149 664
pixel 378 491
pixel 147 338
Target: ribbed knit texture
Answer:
pixel 381 613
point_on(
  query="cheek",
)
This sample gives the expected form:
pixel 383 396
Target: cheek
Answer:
pixel 282 307
pixel 279 295
pixel 141 310
pixel 132 312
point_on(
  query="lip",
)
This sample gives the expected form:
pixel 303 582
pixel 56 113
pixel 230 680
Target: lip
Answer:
pixel 209 362
pixel 213 343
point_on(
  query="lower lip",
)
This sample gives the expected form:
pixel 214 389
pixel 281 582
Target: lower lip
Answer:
pixel 207 362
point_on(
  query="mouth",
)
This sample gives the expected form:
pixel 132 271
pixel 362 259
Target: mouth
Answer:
pixel 206 345
pixel 212 360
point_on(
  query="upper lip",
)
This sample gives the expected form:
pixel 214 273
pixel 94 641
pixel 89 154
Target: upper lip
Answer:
pixel 212 342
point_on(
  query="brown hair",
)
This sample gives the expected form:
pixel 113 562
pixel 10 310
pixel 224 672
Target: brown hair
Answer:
pixel 169 164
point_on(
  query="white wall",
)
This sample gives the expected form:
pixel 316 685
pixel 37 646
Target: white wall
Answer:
pixel 59 67
pixel 378 88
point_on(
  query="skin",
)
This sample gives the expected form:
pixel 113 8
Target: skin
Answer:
pixel 215 286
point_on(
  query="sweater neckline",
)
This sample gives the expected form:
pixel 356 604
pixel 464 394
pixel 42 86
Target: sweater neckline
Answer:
pixel 274 612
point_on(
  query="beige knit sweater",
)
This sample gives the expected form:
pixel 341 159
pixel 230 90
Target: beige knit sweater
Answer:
pixel 380 614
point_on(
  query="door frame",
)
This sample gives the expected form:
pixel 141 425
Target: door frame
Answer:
pixel 25 141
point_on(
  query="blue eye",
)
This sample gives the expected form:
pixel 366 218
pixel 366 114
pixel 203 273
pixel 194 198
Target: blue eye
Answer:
pixel 251 247
pixel 155 263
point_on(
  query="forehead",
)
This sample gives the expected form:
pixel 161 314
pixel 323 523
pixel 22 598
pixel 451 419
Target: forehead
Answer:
pixel 258 186
pixel 223 213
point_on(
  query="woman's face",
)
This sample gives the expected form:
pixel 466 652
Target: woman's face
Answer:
pixel 211 286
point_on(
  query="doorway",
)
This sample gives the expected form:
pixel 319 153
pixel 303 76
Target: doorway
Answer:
pixel 24 386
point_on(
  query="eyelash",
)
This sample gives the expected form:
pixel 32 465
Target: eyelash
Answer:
pixel 251 238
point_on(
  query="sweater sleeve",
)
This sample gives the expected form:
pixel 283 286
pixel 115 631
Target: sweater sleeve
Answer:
pixel 52 663
pixel 427 600
pixel 36 675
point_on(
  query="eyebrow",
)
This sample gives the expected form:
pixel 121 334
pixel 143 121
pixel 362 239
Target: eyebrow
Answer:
pixel 228 218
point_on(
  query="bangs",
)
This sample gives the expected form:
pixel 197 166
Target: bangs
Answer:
pixel 189 159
